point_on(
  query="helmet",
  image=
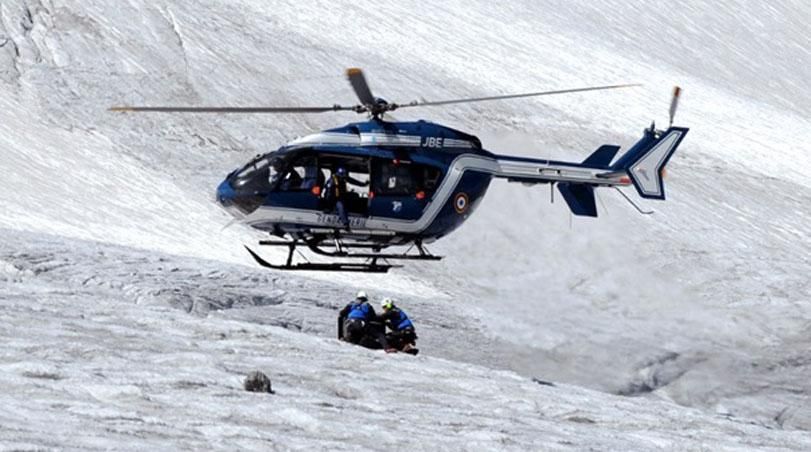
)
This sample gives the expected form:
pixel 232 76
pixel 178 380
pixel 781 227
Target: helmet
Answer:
pixel 361 295
pixel 386 303
pixel 341 171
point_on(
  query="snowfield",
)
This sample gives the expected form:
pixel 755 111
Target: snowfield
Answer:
pixel 98 355
pixel 130 314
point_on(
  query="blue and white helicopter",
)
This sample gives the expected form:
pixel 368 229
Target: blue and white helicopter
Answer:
pixel 409 183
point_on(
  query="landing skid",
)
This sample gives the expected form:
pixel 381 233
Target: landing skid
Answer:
pixel 338 249
pixel 329 266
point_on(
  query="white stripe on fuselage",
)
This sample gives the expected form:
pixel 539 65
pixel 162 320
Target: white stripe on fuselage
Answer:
pixel 377 139
pixel 467 162
pixel 542 171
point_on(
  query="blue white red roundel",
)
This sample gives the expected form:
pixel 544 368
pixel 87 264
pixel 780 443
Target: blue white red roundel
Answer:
pixel 460 203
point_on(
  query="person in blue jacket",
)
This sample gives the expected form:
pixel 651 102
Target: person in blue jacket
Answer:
pixel 402 337
pixel 358 324
pixel 336 193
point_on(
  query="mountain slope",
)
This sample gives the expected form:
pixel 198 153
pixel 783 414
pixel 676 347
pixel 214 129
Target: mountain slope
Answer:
pixel 703 303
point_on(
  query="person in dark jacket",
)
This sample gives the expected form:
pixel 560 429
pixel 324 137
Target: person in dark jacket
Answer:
pixel 402 337
pixel 358 324
pixel 335 192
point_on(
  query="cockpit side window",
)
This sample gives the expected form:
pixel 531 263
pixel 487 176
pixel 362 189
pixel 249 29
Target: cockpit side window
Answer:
pixel 302 174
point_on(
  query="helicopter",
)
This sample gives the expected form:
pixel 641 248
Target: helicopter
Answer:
pixel 351 192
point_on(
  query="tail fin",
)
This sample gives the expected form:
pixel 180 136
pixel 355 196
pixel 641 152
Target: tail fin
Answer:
pixel 602 157
pixel 579 197
pixel 647 158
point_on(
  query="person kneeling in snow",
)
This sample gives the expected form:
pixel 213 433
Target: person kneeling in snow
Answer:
pixel 358 324
pixel 402 336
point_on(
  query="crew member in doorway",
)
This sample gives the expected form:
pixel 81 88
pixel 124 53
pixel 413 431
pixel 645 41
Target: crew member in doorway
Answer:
pixel 336 193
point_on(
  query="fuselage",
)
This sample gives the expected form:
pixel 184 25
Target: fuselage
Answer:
pixel 423 180
pixel 417 181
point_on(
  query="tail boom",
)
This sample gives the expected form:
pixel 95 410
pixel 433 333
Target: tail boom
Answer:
pixel 641 166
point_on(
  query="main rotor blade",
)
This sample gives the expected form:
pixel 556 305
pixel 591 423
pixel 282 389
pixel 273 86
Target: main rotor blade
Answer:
pixel 360 86
pixel 417 103
pixel 236 109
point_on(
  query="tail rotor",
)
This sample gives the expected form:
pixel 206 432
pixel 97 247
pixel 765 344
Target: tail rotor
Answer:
pixel 674 104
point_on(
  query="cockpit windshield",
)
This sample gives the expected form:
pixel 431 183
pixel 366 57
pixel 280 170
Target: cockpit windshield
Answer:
pixel 249 186
pixel 260 174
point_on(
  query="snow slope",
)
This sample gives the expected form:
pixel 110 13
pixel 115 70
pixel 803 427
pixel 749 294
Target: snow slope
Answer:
pixel 704 303
pixel 97 355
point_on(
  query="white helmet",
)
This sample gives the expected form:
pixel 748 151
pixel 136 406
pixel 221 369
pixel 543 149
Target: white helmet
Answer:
pixel 386 303
pixel 361 295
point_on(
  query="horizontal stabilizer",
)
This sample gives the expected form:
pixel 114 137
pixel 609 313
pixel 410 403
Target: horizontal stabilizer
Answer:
pixel 579 197
pixel 601 158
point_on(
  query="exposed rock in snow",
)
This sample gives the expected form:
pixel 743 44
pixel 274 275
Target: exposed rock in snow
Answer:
pixel 257 381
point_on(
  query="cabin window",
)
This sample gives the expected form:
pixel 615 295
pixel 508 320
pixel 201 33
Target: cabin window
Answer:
pixel 395 180
pixel 402 178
